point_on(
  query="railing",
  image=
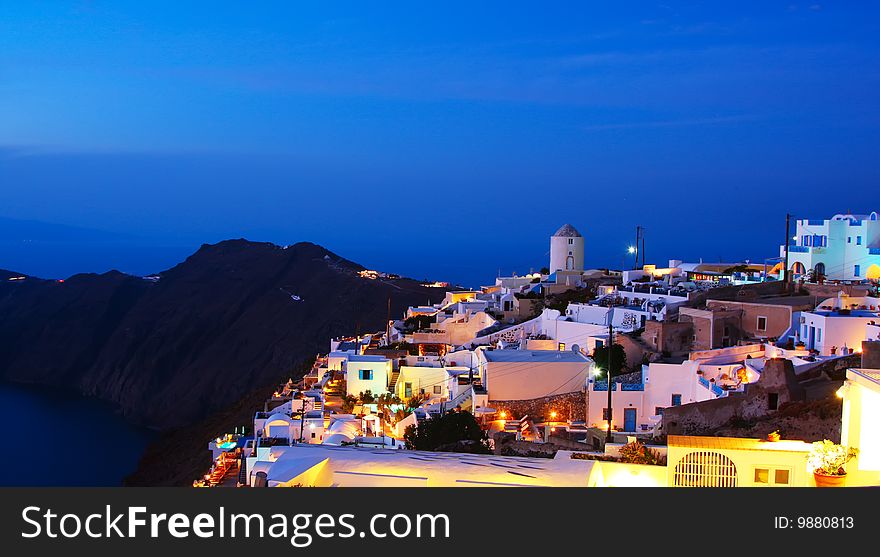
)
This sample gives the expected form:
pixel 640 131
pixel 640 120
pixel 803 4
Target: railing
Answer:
pixel 704 382
pixel 799 249
pixel 718 391
pixel 603 386
pixel 632 387
pixel 873 251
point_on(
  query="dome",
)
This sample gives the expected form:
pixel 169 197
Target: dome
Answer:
pixel 567 231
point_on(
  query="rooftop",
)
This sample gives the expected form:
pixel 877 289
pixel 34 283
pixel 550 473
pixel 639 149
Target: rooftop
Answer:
pixel 534 356
pixel 872 375
pixel 567 231
pixel 366 358
pixel 736 443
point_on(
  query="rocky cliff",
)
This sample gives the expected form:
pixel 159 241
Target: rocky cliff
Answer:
pixel 172 349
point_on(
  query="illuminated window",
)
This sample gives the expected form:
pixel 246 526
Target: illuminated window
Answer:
pixel 561 346
pixel 772 477
pixel 762 476
pixel 781 477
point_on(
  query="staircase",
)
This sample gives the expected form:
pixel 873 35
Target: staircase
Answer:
pixel 392 383
pixel 465 399
pixel 242 472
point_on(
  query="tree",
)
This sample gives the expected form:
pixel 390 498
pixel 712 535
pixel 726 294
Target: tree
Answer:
pixel 618 358
pixel 446 430
pixel 545 271
pixel 367 397
pixel 348 403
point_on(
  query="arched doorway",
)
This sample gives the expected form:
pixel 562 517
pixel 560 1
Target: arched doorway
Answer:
pixel 798 268
pixel 873 272
pixel 705 469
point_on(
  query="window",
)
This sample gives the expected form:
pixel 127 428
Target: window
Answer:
pixel 857 270
pixel 676 400
pixel 858 240
pixel 772 401
pixel 772 476
pixel 561 346
pixel 366 375
pixel 818 335
pixel 762 323
pixel 704 469
pixel 658 410
pixel 849 239
pixel 438 389
pixel 313 435
pixel 570 241
pixel 604 414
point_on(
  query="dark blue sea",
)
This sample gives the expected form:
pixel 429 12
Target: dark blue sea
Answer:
pixel 58 439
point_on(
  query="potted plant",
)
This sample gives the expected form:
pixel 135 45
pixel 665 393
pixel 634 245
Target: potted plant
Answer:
pixel 773 436
pixel 827 460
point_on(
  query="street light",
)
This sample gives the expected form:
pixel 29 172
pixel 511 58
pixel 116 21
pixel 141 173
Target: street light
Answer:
pixel 631 250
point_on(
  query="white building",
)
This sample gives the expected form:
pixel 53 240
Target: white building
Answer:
pixel 838 323
pixel 530 374
pixel 367 373
pixel 566 250
pixel 844 247
pixel 860 420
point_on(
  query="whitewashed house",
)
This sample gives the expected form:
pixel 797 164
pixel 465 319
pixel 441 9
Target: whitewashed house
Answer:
pixel 844 247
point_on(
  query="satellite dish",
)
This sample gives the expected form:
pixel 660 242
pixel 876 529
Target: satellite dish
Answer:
pixel 575 348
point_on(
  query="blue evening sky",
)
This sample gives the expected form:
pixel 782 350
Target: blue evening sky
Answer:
pixel 446 142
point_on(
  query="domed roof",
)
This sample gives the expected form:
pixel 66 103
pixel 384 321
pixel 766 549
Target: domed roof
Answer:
pixel 567 231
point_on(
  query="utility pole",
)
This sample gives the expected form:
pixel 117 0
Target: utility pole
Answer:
pixel 787 241
pixel 388 324
pixel 643 247
pixel 638 237
pixel 608 437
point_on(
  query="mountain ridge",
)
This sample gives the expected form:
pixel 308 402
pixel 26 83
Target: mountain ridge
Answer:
pixel 171 349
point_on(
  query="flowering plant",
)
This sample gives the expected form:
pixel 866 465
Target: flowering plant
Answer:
pixel 828 458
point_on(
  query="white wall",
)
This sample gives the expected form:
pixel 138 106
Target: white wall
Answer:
pixel 422 378
pixel 378 384
pixel 528 380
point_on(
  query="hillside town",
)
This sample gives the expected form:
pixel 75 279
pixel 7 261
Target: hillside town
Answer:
pixel 690 374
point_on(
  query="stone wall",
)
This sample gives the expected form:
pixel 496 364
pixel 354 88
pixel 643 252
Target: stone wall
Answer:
pixel 777 381
pixel 870 354
pixel 671 337
pixel 568 406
